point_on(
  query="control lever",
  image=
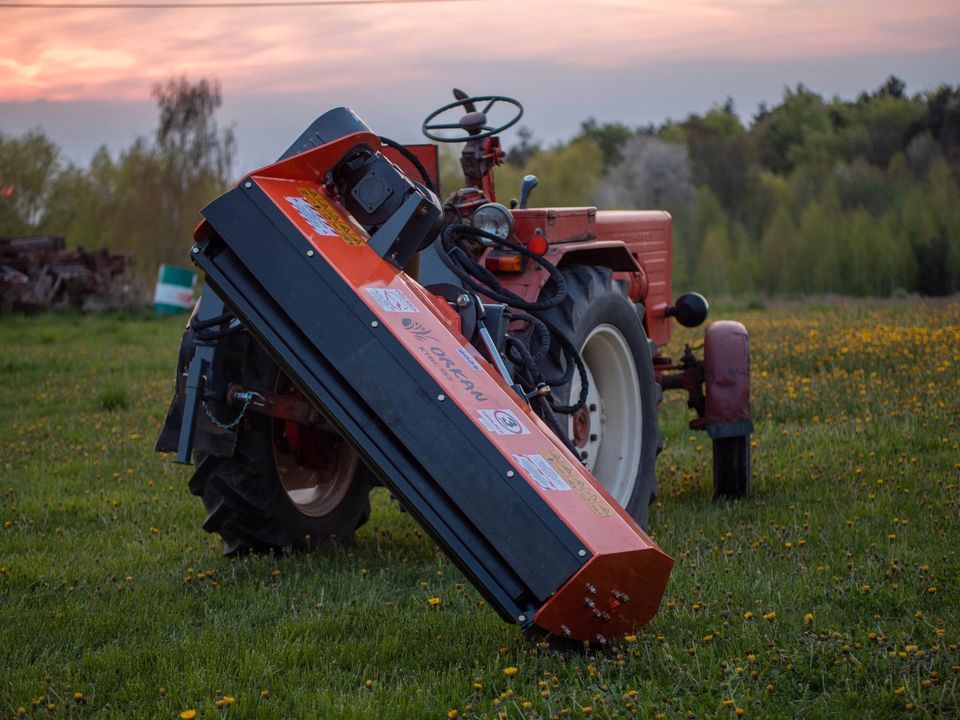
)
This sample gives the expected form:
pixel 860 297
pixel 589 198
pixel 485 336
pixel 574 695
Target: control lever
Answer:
pixel 526 187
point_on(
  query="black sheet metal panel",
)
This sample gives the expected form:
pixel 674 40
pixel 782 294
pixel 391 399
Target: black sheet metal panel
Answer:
pixel 395 403
pixel 301 360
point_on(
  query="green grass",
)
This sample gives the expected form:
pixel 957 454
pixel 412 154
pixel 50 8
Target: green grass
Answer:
pixel 109 588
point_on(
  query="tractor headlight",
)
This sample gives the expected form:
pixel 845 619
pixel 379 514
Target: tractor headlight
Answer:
pixel 493 218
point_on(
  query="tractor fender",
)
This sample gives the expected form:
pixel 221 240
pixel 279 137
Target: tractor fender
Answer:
pixel 602 253
pixel 726 360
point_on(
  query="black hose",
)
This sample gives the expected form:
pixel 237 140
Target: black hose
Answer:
pixel 477 278
pixel 414 160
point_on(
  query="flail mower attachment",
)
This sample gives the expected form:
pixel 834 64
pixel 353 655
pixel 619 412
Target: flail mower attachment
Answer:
pixel 307 254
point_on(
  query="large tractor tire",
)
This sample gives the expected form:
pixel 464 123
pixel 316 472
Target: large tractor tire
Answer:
pixel 616 430
pixel 285 485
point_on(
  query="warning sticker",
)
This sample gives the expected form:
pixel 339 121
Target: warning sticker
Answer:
pixel 502 422
pixel 309 213
pixel 392 300
pixel 331 217
pixel 579 484
pixel 541 472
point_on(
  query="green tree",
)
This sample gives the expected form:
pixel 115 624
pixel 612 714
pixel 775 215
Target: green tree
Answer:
pixel 568 175
pixel 28 166
pixel 609 137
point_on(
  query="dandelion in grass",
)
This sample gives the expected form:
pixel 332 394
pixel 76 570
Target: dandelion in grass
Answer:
pixel 510 671
pixel 190 714
pixel 433 602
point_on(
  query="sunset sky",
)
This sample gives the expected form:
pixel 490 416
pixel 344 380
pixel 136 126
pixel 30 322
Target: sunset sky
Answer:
pixel 84 75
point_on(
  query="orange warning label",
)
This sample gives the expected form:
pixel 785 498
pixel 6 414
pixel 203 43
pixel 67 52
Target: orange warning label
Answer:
pixel 581 487
pixel 337 222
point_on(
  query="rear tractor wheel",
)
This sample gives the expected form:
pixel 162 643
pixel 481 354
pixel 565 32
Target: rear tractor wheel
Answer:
pixel 615 431
pixel 286 485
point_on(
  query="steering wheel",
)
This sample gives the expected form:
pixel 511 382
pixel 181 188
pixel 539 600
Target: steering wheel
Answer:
pixel 473 125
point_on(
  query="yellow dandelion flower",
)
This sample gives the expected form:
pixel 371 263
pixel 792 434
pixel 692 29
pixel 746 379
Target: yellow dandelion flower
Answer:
pixel 453 713
pixel 368 684
pixel 264 694
pixel 79 697
pixel 188 714
pixel 747 615
pixel 808 618
pixel 740 712
pixel 900 691
pixel 770 616
pixel 433 602
pixel 510 671
pixel 630 638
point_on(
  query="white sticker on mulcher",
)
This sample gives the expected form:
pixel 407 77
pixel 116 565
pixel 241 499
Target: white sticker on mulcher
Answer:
pixel 393 301
pixel 541 472
pixel 502 422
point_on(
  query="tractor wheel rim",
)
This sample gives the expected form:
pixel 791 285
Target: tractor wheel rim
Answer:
pixel 613 447
pixel 314 491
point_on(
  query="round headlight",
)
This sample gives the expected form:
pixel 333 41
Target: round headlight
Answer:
pixel 493 218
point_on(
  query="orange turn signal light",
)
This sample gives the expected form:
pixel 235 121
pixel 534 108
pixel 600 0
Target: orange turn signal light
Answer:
pixel 504 263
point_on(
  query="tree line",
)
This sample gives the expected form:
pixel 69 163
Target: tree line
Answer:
pixel 144 202
pixel 811 196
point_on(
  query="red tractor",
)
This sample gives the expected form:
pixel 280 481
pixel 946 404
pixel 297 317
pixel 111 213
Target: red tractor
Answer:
pixel 497 368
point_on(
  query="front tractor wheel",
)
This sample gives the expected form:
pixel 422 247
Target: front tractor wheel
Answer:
pixel 615 431
pixel 286 485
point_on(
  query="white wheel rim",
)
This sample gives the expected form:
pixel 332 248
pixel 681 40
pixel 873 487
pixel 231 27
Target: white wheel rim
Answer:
pixel 613 445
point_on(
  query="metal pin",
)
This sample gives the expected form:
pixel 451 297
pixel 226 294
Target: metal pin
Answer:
pixel 195 249
pixel 582 553
pixel 309 253
pixel 441 397
pixel 374 323
pixel 510 473
pixel 522 618
pixel 248 184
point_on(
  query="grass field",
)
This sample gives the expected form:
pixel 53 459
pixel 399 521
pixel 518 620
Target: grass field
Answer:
pixel 834 591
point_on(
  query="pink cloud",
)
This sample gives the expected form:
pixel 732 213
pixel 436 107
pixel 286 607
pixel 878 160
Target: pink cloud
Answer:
pixel 118 54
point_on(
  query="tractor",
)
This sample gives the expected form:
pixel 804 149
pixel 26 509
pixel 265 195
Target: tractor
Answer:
pixel 497 367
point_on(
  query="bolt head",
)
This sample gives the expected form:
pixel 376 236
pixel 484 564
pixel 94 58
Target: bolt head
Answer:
pixel 374 323
pixel 248 184
pixel 582 553
pixel 510 473
pixel 441 397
